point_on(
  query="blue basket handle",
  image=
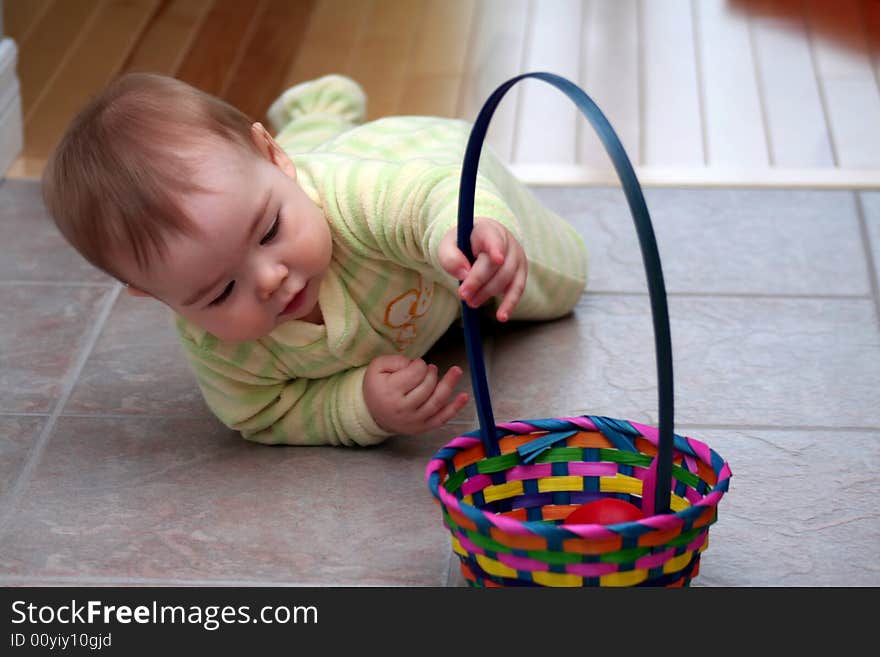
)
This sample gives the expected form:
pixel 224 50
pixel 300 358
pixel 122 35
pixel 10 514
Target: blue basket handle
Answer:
pixel 650 257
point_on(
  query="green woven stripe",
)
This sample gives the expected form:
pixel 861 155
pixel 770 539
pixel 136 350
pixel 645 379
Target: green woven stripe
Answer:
pixel 498 463
pixel 624 556
pixel 454 481
pixel 685 477
pixel 627 458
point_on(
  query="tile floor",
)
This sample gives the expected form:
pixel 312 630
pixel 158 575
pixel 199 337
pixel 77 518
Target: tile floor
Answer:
pixel 113 471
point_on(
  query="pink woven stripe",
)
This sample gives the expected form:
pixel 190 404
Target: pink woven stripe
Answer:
pixel 591 569
pixel 474 484
pixel 664 521
pixel 701 450
pixel 463 442
pixel 530 471
pixel 592 469
pixel 508 525
pixel 655 560
pixel 449 499
pixel 518 427
pixel 581 422
pixel 693 496
pixel 592 531
pixel 725 472
pixel 651 433
pixel 697 543
pixel 469 546
pixel 522 563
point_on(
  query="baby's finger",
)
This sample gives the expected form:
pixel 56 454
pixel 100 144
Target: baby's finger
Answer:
pixel 486 239
pixel 447 412
pixel 498 284
pixel 416 397
pixel 480 273
pixel 513 295
pixel 441 393
pixel 410 376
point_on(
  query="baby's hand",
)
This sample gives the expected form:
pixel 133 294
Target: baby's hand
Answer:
pixel 500 266
pixel 404 395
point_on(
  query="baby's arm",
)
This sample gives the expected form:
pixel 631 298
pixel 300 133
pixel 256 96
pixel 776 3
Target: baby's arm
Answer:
pixel 269 408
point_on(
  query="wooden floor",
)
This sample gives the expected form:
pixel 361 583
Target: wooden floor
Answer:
pixel 701 92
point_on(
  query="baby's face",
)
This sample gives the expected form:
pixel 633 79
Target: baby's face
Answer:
pixel 264 250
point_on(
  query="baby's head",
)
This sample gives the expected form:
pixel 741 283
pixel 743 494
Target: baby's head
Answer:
pixel 180 196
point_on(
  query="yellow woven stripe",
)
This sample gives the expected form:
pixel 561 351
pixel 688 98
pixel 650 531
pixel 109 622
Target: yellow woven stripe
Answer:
pixel 495 567
pixel 620 484
pixel 677 563
pixel 626 484
pixel 677 503
pixel 553 484
pixel 624 578
pixel 503 491
pixel 456 547
pixel 557 579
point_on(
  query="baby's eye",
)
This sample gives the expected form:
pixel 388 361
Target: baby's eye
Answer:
pixel 223 295
pixel 273 231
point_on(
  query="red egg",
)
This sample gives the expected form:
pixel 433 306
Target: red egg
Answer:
pixel 607 511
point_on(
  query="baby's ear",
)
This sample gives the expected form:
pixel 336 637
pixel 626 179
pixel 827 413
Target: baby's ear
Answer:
pixel 271 150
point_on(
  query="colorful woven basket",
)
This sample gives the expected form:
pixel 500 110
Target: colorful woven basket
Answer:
pixel 505 489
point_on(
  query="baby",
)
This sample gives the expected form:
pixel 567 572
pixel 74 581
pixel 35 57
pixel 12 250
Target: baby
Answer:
pixel 308 272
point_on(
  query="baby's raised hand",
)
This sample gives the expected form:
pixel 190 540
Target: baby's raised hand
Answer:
pixel 406 396
pixel 500 266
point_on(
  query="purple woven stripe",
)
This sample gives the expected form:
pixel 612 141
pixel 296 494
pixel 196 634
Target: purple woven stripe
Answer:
pixel 591 569
pixel 520 472
pixel 592 469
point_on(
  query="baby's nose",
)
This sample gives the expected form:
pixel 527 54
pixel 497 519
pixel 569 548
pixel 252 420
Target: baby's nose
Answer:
pixel 269 279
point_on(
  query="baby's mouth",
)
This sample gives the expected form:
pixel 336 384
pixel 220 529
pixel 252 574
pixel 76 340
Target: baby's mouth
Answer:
pixel 296 302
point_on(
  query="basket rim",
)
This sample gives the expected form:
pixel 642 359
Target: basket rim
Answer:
pixel 662 522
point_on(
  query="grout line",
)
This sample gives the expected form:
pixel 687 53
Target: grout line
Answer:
pixel 15 492
pixel 50 82
pixel 759 80
pixel 869 255
pixel 23 414
pixel 243 47
pixel 820 86
pixel 194 31
pixel 26 34
pixel 701 87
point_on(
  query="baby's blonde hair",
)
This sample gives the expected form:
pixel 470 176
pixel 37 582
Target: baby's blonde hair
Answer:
pixel 114 182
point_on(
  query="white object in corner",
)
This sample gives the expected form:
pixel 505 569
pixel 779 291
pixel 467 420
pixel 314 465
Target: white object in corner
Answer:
pixel 11 136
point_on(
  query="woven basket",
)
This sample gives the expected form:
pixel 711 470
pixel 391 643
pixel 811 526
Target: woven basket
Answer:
pixel 505 489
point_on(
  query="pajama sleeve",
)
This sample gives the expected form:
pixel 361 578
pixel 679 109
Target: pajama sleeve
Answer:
pixel 267 407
